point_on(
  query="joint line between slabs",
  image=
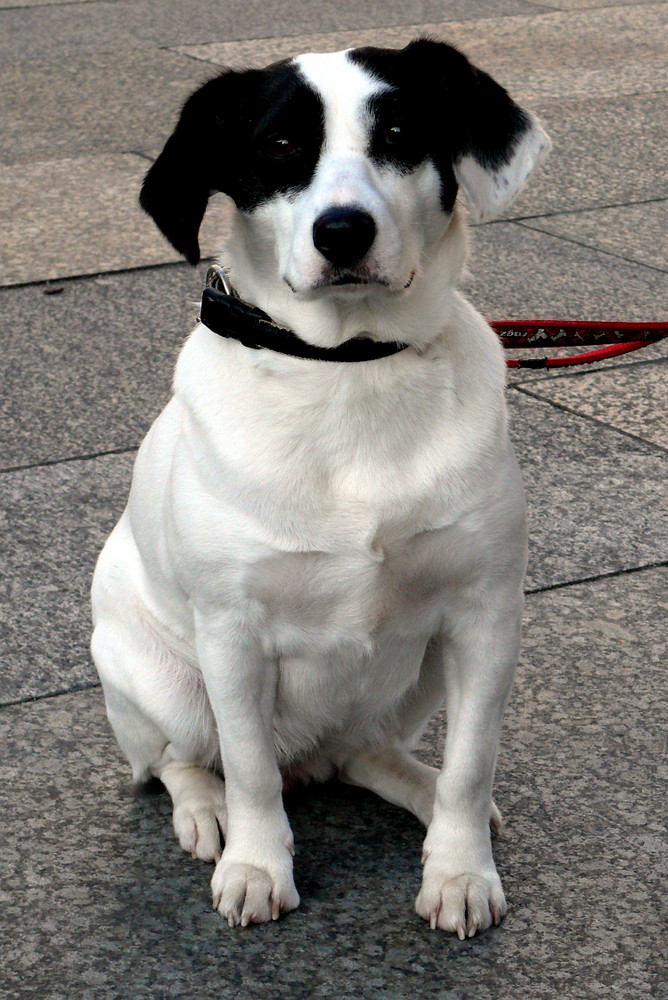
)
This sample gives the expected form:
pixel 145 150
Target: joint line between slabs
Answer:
pixel 595 579
pixel 69 458
pixel 592 246
pixel 585 416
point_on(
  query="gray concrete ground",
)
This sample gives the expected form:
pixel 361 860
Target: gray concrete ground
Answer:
pixel 96 900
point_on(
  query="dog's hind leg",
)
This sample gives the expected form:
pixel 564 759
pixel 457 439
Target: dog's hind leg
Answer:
pixel 198 794
pixel 166 730
pixel 391 771
pixel 395 775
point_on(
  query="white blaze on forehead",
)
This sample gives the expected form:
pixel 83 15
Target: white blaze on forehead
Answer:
pixel 344 88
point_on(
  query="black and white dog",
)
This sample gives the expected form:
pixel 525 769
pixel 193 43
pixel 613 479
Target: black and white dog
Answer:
pixel 318 553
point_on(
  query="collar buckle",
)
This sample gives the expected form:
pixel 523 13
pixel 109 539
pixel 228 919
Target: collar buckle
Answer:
pixel 217 279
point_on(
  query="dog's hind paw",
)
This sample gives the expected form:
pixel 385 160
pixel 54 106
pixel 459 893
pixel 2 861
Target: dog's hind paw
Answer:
pixel 200 815
pixel 244 894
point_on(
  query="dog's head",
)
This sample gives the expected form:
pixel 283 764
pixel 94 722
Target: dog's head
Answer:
pixel 346 166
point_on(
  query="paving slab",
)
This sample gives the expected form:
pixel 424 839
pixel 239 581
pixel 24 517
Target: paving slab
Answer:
pixel 79 215
pixel 633 232
pixel 595 498
pixel 510 277
pixel 632 399
pixel 56 520
pixel 516 272
pixel 94 877
pixel 576 699
pixel 604 52
pixel 584 4
pixel 86 370
pixel 104 102
pixel 17 4
pixel 64 29
pixel 605 152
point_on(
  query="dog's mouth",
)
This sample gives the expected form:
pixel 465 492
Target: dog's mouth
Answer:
pixel 339 280
pixel 344 281
pixel 351 279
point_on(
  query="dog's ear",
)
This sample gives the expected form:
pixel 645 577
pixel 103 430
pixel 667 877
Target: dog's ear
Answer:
pixel 488 141
pixel 197 161
pixel 502 145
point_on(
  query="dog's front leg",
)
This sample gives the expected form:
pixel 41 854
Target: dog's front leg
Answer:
pixel 253 880
pixel 461 890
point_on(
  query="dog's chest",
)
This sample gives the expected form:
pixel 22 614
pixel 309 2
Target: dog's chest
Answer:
pixel 348 631
pixel 333 504
pixel 318 601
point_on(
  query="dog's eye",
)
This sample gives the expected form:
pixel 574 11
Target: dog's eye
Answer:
pixel 398 134
pixel 280 147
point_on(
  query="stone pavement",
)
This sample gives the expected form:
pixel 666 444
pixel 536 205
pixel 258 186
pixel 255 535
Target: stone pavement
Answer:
pixel 96 899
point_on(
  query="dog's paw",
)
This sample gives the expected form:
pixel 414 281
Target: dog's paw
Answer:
pixel 200 816
pixel 461 903
pixel 244 894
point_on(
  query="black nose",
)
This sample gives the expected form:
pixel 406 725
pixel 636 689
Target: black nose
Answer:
pixel 344 235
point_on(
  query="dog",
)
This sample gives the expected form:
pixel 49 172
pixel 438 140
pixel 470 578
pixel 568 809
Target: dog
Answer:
pixel 325 536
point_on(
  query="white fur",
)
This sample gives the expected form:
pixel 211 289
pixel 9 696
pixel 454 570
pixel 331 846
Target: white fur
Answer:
pixel 315 556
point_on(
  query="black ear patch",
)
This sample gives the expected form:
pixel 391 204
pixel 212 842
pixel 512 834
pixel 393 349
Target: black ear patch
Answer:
pixel 249 134
pixel 452 112
pixel 176 189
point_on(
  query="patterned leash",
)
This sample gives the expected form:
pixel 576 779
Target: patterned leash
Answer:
pixel 610 338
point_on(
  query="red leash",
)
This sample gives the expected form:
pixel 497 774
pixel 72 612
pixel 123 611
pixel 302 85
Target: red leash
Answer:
pixel 617 338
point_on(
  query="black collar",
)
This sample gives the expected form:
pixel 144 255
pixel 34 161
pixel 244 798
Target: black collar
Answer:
pixel 223 312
